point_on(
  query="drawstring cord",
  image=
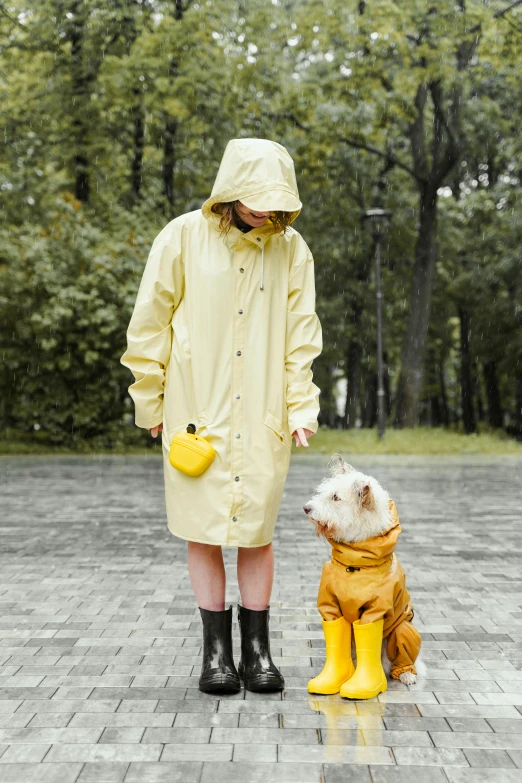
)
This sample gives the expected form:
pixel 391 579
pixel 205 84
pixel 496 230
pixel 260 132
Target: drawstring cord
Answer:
pixel 262 267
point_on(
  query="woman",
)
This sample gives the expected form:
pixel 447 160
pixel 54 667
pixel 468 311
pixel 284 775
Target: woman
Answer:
pixel 223 335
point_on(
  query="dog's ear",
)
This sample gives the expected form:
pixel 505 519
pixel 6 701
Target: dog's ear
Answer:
pixel 366 495
pixel 337 465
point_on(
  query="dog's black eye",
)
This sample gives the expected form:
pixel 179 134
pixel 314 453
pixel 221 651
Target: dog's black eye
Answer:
pixel 335 497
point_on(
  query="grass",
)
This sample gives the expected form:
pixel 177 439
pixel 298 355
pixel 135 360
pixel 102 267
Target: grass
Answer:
pixel 421 440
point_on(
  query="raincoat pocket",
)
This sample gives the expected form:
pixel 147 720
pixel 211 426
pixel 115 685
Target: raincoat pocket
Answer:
pixel 275 424
pixel 200 420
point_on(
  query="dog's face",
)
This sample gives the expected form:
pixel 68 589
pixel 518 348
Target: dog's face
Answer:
pixel 348 505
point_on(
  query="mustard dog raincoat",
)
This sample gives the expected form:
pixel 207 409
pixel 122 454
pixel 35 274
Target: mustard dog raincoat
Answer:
pixel 364 580
pixel 223 335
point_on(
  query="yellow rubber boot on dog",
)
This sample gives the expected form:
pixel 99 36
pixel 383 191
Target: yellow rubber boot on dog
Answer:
pixel 338 666
pixel 369 679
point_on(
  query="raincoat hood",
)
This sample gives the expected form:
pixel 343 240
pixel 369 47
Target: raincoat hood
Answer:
pixel 259 173
pixel 372 552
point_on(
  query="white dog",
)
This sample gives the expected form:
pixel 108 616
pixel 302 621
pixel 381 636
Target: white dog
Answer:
pixel 364 581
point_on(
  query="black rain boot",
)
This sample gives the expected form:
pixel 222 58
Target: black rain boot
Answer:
pixel 218 672
pixel 256 667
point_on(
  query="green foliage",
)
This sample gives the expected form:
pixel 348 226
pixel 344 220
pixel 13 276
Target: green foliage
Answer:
pixel 66 294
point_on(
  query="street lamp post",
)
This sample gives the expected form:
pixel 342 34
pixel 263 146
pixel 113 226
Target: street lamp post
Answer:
pixel 378 221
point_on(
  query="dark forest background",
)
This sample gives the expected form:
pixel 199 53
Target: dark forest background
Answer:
pixel 114 117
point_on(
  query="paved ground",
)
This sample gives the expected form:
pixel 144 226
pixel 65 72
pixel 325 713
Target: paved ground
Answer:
pixel 100 637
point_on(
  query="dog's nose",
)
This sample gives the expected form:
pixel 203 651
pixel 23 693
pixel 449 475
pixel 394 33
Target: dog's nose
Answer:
pixel 307 509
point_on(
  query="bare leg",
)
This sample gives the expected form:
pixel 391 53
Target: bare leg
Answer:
pixel 207 575
pixel 255 574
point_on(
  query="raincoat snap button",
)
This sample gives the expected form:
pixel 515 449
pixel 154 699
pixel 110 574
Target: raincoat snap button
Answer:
pixel 259 239
pixel 238 353
pixel 240 312
pixel 238 435
pixel 237 396
pixel 241 270
pixel 236 478
pixel 234 519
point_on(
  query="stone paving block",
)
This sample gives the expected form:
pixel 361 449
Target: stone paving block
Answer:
pixel 237 772
pixel 324 721
pixel 123 720
pixel 17 694
pixel 261 754
pixel 468 711
pixel 40 773
pixel 164 772
pixel 103 752
pixel 409 774
pixel 342 773
pixel 179 705
pixel 73 705
pixel 482 775
pixel 467 740
pixel 266 736
pixel 197 752
pixel 434 757
pixel 390 710
pixel 66 692
pixel 208 720
pixel 338 754
pixel 114 734
pixel 493 759
pixel 416 724
pixel 137 705
pixel 48 720
pixel 51 736
pixel 395 738
pixel 98 772
pixel 21 754
pixel 506 726
pixel 475 725
pixel 176 736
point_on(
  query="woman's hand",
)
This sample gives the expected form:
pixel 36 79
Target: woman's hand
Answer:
pixel 301 436
pixel 154 431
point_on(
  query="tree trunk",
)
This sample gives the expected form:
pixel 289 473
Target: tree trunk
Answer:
pixel 169 163
pixel 435 396
pixel 518 404
pixel 409 387
pixel 353 384
pixel 495 412
pixel 445 415
pixel 80 104
pixel 169 138
pixel 370 400
pixel 138 144
pixel 466 378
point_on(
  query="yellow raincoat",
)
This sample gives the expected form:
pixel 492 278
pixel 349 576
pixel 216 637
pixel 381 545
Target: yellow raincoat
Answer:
pixel 364 580
pixel 223 334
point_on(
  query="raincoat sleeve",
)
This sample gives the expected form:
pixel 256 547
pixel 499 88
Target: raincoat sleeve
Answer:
pixel 149 335
pixel 303 343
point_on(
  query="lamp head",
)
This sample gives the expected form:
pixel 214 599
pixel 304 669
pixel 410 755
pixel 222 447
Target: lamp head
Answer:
pixel 377 220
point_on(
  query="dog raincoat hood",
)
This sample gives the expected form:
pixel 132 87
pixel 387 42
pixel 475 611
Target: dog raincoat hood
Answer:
pixel 207 347
pixel 372 552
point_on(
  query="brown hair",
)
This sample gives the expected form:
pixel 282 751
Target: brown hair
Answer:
pixel 227 210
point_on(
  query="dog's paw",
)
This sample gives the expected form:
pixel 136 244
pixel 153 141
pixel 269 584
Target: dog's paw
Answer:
pixel 408 678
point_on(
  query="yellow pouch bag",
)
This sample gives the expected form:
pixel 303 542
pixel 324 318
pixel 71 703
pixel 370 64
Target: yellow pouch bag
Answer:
pixel 191 453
